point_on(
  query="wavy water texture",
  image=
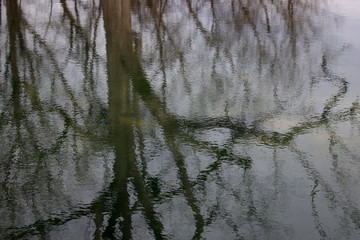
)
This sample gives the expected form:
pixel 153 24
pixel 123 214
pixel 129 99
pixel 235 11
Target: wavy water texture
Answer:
pixel 167 119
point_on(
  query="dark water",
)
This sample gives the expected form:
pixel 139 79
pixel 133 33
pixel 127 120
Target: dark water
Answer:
pixel 180 119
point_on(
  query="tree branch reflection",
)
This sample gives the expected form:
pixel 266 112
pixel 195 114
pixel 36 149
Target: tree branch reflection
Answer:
pixel 180 137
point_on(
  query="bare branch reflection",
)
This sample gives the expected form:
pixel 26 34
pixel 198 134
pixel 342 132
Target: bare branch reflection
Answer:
pixel 165 119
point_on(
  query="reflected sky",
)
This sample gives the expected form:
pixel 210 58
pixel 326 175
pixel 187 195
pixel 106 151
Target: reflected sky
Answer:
pixel 166 119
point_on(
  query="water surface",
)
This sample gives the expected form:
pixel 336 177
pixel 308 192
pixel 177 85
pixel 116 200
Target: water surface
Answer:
pixel 168 119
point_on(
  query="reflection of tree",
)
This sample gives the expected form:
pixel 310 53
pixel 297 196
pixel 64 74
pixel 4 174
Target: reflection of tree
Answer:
pixel 255 69
pixel 180 127
pixel 51 131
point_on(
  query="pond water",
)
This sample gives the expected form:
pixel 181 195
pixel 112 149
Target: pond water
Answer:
pixel 180 119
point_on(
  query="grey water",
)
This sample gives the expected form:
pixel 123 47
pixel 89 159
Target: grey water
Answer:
pixel 180 119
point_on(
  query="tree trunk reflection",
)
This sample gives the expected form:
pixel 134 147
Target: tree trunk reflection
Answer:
pixel 123 107
pixel 196 119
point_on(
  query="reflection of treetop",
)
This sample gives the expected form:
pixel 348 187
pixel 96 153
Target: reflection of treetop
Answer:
pixel 228 54
pixel 176 82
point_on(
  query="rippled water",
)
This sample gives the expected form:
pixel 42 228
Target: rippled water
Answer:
pixel 180 119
